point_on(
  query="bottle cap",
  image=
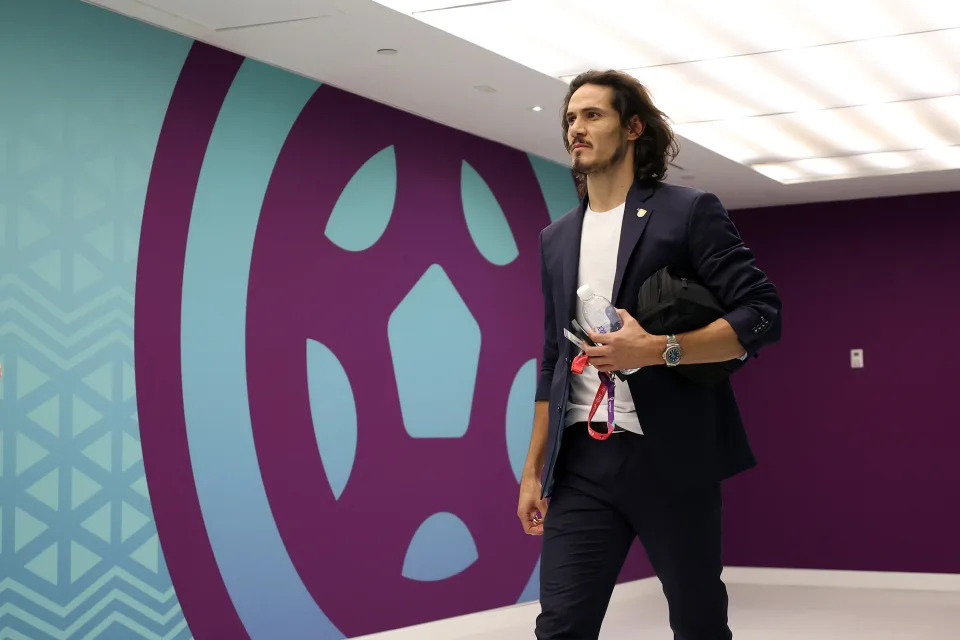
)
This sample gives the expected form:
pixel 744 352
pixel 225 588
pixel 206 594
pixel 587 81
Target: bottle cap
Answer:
pixel 585 292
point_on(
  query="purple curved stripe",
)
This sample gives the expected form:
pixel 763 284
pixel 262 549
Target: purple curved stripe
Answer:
pixel 196 102
pixel 303 286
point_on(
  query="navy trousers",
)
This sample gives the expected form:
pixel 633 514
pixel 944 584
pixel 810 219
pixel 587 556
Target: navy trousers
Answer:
pixel 605 496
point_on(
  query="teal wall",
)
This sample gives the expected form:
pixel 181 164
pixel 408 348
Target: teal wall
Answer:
pixel 84 94
pixel 84 98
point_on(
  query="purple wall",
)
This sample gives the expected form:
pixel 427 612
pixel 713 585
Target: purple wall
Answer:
pixel 858 468
pixel 286 458
pixel 319 471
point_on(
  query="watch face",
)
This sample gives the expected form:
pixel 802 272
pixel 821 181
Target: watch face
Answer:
pixel 673 355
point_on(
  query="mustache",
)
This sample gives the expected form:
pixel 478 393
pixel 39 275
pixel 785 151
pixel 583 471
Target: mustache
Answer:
pixel 577 141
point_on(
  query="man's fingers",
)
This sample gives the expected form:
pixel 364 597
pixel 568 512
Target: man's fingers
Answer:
pixel 596 352
pixel 528 517
pixel 537 519
pixel 598 357
pixel 532 518
pixel 599 363
pixel 532 524
pixel 599 338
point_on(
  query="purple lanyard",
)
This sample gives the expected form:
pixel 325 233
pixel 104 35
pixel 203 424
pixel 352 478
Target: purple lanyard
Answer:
pixel 606 388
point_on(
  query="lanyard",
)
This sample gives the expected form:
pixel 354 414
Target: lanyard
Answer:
pixel 606 388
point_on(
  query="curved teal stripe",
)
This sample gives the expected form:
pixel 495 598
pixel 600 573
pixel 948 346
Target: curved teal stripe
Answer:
pixel 532 591
pixel 520 416
pixel 333 409
pixel 486 222
pixel 369 196
pixel 441 548
pixel 263 583
pixel 557 185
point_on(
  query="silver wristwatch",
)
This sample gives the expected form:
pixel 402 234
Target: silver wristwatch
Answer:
pixel 673 354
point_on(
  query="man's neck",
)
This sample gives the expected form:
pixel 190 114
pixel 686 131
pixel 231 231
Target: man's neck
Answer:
pixel 609 189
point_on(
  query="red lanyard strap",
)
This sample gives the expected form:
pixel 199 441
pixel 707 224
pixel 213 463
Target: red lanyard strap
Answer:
pixel 606 387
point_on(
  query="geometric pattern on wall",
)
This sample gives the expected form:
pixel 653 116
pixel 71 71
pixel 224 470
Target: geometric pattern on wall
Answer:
pixel 81 556
pixel 80 553
pixel 79 544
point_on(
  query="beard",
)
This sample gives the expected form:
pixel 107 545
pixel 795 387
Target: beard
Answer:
pixel 599 166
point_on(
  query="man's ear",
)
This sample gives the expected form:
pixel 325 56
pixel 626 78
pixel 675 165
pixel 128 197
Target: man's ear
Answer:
pixel 636 128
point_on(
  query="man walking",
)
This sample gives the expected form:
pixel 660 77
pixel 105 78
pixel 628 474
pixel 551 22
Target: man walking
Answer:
pixel 657 475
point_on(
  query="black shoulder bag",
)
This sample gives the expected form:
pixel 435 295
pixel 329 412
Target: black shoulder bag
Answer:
pixel 670 302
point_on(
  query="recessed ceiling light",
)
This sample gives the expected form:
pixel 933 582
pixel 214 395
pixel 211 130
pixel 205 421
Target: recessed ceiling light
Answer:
pixel 537 108
pixel 387 52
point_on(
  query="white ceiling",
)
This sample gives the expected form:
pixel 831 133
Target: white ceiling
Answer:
pixel 436 74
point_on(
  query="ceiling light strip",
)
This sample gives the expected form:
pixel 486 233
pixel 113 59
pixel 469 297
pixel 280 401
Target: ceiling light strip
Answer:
pixel 862 166
pixel 459 6
pixel 822 109
pixel 809 47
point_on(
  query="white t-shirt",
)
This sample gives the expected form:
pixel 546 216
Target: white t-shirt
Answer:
pixel 599 245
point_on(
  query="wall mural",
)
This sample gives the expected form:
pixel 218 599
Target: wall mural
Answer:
pixel 357 330
pixel 269 348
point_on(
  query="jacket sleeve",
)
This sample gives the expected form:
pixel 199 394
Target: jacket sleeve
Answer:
pixel 727 267
pixel 549 356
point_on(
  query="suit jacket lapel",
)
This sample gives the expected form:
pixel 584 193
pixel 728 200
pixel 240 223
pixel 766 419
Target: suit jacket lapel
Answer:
pixel 636 213
pixel 571 260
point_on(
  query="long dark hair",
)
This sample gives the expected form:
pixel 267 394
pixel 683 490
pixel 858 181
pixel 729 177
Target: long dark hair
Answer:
pixel 657 145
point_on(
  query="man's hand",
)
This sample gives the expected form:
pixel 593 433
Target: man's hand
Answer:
pixel 531 510
pixel 629 348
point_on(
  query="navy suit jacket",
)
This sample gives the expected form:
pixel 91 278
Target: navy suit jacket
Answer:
pixel 694 432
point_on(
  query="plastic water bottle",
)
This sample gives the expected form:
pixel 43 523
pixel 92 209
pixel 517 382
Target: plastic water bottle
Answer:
pixel 600 314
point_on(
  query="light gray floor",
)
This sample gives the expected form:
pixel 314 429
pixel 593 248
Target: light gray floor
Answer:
pixel 757 612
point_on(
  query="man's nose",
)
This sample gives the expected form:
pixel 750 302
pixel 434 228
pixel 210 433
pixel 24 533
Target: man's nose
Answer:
pixel 576 128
